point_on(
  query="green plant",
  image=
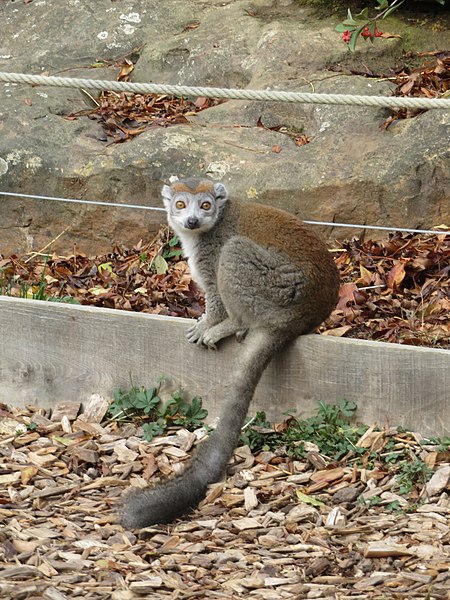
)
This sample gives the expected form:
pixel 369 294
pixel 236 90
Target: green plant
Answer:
pixel 170 250
pixel 412 473
pixel 186 414
pixel 146 404
pixel 135 402
pixel 394 506
pixel 330 429
pixel 259 434
pixel 153 429
pixel 442 443
pixel 30 291
pixel 366 26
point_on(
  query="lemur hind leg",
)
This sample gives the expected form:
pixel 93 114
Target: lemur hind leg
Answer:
pixel 270 287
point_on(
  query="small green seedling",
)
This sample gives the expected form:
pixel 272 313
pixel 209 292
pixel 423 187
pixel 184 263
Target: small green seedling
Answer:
pixel 145 404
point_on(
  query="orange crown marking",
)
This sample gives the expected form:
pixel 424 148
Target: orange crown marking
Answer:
pixel 203 186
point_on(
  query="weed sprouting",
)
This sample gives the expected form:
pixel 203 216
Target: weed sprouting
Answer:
pixel 411 473
pixel 330 429
pixel 146 404
pixel 13 286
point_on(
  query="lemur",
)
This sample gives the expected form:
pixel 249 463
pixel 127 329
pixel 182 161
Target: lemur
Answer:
pixel 268 278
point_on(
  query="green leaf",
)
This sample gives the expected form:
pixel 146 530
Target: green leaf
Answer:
pixel 391 10
pixel 309 499
pixel 172 253
pixel 354 38
pixel 364 14
pixel 105 267
pixel 170 407
pixel 64 440
pixel 348 409
pixel 174 241
pixel 341 28
pixel 160 265
pixel 151 430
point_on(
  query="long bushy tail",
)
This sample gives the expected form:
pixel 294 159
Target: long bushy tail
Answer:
pixel 163 503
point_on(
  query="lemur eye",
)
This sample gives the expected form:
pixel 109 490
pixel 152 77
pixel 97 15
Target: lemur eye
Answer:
pixel 180 204
pixel 205 205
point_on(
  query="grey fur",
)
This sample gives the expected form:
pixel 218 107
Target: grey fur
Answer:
pixel 275 290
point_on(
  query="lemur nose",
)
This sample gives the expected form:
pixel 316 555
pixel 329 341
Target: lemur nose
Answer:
pixel 192 222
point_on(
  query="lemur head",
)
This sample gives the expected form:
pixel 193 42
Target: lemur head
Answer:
pixel 194 204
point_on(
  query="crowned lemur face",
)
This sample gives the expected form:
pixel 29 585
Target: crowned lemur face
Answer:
pixel 193 205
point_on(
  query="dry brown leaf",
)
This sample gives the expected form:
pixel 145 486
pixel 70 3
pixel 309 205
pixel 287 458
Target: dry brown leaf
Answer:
pixel 346 295
pixel 396 276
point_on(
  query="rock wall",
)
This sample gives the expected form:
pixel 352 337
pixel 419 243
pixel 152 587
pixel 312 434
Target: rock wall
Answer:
pixel 351 171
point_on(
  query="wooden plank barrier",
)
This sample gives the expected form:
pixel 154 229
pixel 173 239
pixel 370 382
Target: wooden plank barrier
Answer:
pixel 51 352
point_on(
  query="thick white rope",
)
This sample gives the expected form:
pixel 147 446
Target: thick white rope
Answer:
pixel 211 92
pixel 157 208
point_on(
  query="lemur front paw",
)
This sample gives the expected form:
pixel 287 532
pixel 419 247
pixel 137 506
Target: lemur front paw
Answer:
pixel 196 332
pixel 202 333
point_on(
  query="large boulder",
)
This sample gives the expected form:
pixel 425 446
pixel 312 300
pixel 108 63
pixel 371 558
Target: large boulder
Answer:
pixel 350 171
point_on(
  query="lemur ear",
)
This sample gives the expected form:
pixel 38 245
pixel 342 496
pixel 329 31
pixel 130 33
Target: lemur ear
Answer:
pixel 220 193
pixel 166 193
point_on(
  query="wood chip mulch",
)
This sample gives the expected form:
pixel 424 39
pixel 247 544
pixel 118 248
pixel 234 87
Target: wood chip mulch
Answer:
pixel 256 535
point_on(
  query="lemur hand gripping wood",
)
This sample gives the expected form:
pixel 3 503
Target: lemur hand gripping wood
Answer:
pixel 267 277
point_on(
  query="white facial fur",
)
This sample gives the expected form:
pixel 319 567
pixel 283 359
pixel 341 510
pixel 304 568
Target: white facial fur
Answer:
pixel 193 213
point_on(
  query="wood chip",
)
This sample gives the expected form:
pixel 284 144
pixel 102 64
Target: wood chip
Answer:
pixel 124 454
pixel 9 478
pixel 335 518
pixel 246 523
pixel 250 499
pixel 66 409
pixel 439 481
pixel 378 550
pixel 95 409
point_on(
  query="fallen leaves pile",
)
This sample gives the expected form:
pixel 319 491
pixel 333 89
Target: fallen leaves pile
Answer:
pixel 275 528
pixel 125 115
pixel 147 278
pixel 430 80
pixel 393 290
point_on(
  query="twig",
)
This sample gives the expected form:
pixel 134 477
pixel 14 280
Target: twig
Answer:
pixel 91 98
pixel 34 254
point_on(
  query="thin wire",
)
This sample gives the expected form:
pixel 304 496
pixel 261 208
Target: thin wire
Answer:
pixel 380 227
pixel 78 201
pixel 143 207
